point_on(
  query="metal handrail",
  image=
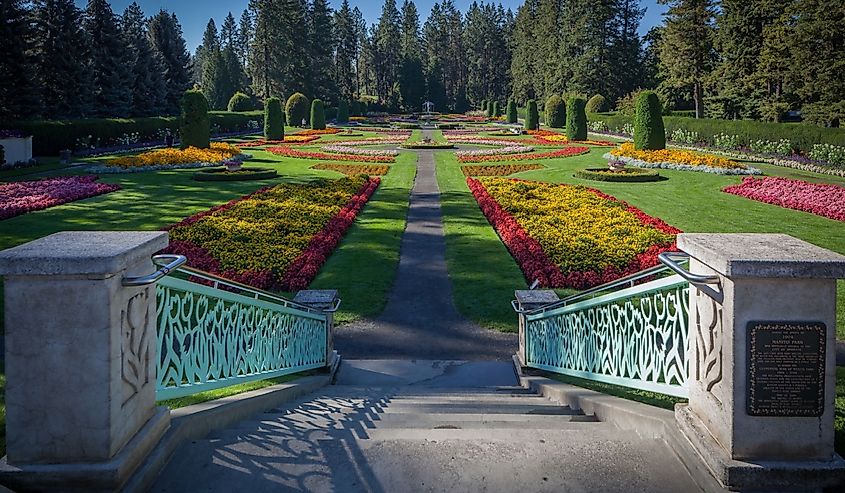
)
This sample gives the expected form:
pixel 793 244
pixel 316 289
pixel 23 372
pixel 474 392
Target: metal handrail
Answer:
pixel 166 264
pixel 254 292
pixel 668 259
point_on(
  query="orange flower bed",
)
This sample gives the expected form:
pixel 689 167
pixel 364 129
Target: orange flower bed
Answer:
pixel 498 170
pixel 289 140
pixel 561 153
pixel 288 152
pixel 354 169
pixel 325 131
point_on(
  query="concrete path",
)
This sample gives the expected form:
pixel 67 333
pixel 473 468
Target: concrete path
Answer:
pixel 420 320
pixel 403 426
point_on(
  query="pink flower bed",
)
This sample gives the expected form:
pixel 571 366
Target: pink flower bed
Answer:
pixel 26 196
pixel 820 199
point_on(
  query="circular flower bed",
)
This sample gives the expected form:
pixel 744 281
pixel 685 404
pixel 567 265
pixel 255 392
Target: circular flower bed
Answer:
pixel 679 160
pixel 223 174
pixel 427 145
pixel 626 175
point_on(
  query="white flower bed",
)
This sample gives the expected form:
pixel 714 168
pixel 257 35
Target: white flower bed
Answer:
pixel 352 147
pixel 101 168
pixel 513 149
pixel 683 167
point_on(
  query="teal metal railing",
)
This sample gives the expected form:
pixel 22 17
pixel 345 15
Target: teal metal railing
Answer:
pixel 621 333
pixel 210 338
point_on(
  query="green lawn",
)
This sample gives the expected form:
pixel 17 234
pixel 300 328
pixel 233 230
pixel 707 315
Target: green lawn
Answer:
pixel 199 398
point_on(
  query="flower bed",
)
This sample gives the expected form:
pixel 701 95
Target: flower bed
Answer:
pixel 561 153
pixel 289 140
pixel 294 153
pixel 172 158
pixel 498 169
pixel 275 238
pixel 428 145
pixel 820 199
pixel 569 236
pixel 354 169
pixel 243 174
pixel 626 175
pixel 20 197
pixel 510 149
pixel 325 131
pixel 563 139
pixel 679 160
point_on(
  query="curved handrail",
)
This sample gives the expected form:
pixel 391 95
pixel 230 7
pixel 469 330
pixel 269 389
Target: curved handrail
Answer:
pixel 668 259
pixel 166 264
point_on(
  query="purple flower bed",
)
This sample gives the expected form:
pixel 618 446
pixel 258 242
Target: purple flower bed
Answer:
pixel 18 198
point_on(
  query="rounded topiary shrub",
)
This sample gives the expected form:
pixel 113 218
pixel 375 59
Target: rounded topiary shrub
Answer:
pixel 195 127
pixel 576 119
pixel 297 109
pixel 240 102
pixel 511 115
pixel 274 119
pixel 555 112
pixel 318 115
pixel 649 133
pixel 597 104
pixel 484 105
pixel 497 110
pixel 342 112
pixel 532 116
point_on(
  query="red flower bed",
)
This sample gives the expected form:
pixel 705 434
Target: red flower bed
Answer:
pixel 816 198
pixel 565 152
pixel 18 198
pixel 534 262
pixel 288 152
pixel 289 140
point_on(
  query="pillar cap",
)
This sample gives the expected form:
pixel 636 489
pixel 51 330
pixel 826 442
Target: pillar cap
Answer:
pixel 81 253
pixel 762 255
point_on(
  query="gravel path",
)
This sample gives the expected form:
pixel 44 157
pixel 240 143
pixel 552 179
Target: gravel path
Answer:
pixel 420 320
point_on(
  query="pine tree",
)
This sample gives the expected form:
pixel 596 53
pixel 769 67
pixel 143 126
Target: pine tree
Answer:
pixel 244 37
pixel 686 48
pixel 346 51
pixel 18 89
pixel 387 48
pixel 524 57
pixel 110 64
pixel 411 76
pixel 320 51
pixel 168 44
pixel 206 52
pixel 63 65
pixel 147 81
pixel 626 49
pixel 228 31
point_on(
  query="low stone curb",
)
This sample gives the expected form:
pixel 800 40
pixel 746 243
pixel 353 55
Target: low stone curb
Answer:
pixel 198 421
pixel 648 422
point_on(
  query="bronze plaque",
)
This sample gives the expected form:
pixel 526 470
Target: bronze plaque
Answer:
pixel 786 366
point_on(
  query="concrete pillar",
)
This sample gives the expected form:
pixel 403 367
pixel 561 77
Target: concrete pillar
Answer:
pixel 527 300
pixel 80 360
pixel 325 300
pixel 762 361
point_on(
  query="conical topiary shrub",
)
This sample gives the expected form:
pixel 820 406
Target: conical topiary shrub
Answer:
pixel 296 109
pixel 649 132
pixel 274 119
pixel 555 112
pixel 576 119
pixel 195 127
pixel 342 112
pixel 532 116
pixel 511 116
pixel 497 110
pixel 318 115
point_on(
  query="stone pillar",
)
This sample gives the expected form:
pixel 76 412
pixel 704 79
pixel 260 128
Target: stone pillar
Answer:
pixel 762 361
pixel 321 299
pixel 80 360
pixel 527 300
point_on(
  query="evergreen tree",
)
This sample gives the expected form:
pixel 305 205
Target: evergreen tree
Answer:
pixel 229 31
pixel 206 51
pixel 346 51
pixel 524 58
pixel 387 46
pixel 322 84
pixel 18 89
pixel 411 76
pixel 626 49
pixel 64 60
pixel 686 47
pixel 168 44
pixel 147 80
pixel 243 39
pixel 487 55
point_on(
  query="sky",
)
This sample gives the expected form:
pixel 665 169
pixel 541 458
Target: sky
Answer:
pixel 194 14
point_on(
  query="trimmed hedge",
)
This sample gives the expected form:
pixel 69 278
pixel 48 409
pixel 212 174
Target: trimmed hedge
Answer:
pixel 555 112
pixel 497 110
pixel 597 104
pixel 49 137
pixel 576 119
pixel 511 116
pixel 240 102
pixel 489 109
pixel 318 115
pixel 342 112
pixel 627 175
pixel 802 136
pixel 195 127
pixel 649 132
pixel 274 119
pixel 296 109
pixel 532 116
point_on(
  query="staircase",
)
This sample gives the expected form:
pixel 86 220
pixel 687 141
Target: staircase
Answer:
pixel 404 430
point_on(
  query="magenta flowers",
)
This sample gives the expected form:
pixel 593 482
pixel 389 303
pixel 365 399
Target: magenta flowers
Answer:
pixel 18 198
pixel 816 198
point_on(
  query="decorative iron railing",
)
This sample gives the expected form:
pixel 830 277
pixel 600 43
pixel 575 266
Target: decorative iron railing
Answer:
pixel 634 337
pixel 210 338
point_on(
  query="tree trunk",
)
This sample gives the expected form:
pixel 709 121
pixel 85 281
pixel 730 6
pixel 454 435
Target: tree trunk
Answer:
pixel 698 96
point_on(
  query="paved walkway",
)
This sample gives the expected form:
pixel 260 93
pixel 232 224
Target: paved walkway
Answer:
pixel 420 320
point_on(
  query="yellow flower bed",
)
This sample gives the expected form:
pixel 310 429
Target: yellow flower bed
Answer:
pixel 218 152
pixel 579 229
pixel 676 156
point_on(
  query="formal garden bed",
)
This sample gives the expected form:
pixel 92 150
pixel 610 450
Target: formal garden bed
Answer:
pixel 171 158
pixel 679 160
pixel 354 169
pixel 18 198
pixel 427 145
pixel 242 174
pixel 816 198
pixel 288 140
pixel 326 156
pixel 498 169
pixel 565 152
pixel 625 175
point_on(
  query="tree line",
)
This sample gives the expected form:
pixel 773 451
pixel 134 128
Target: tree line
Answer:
pixel 753 59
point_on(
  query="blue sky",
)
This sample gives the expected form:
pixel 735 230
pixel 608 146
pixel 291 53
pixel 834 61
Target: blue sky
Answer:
pixel 194 14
